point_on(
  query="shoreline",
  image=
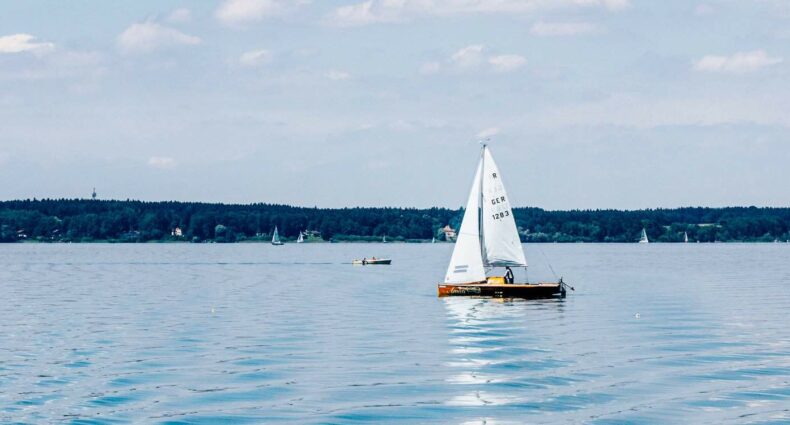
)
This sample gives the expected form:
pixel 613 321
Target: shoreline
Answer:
pixel 114 221
pixel 410 242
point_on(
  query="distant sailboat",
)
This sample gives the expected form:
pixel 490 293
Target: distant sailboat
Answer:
pixel 433 240
pixel 488 238
pixel 384 239
pixel 300 239
pixel 276 237
pixel 685 237
pixel 643 238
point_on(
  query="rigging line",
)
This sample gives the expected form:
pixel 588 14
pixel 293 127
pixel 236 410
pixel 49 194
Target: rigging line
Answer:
pixel 548 262
pixel 481 235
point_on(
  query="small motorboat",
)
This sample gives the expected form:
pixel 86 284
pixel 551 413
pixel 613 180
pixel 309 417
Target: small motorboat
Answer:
pixel 372 262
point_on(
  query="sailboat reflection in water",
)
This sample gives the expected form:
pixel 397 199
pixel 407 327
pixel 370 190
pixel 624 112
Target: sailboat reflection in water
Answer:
pixel 488 239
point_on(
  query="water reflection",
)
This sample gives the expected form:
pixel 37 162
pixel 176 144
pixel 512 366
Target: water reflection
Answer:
pixel 495 355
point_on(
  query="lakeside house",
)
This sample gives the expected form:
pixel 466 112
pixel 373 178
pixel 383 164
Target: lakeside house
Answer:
pixel 449 233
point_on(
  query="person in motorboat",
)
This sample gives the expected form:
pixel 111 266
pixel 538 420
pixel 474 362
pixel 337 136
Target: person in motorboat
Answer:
pixel 508 276
pixel 364 261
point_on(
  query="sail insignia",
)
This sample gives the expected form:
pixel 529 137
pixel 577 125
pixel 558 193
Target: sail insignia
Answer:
pixel 488 236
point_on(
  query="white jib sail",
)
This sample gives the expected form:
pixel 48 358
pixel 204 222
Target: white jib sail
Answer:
pixel 275 236
pixel 466 265
pixel 500 236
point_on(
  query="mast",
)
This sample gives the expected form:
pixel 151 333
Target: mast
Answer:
pixel 480 204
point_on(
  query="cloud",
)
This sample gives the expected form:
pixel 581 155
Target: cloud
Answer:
pixel 559 29
pixel 149 36
pixel 640 111
pixel 387 11
pixel 18 43
pixel 241 12
pixel 256 57
pixel 468 56
pixel 161 162
pixel 357 14
pixel 471 57
pixel 180 15
pixel 506 63
pixel 703 9
pixel 377 164
pixel 337 75
pixel 738 63
pixel 430 68
pixel 488 132
pixel 86 66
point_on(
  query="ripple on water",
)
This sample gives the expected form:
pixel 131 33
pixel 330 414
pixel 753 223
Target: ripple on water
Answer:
pixel 249 333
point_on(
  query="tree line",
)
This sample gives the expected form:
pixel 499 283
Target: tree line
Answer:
pixel 80 220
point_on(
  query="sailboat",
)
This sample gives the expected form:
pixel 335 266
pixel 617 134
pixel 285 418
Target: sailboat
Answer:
pixel 685 237
pixel 300 239
pixel 643 238
pixel 433 240
pixel 276 237
pixel 488 238
pixel 384 239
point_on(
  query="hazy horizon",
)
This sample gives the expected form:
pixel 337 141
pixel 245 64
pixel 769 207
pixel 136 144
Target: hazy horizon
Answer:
pixel 594 104
pixel 87 198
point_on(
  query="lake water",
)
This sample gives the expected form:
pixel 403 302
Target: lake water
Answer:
pixel 251 333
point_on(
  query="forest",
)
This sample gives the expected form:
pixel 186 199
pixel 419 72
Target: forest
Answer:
pixel 83 220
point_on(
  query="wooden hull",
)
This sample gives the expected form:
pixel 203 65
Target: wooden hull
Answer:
pixel 372 262
pixel 518 290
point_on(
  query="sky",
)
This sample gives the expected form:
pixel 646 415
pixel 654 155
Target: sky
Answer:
pixel 587 103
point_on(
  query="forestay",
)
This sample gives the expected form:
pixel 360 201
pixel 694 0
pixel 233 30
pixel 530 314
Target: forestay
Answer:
pixel 466 265
pixel 500 236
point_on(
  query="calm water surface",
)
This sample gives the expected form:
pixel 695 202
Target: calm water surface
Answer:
pixel 181 333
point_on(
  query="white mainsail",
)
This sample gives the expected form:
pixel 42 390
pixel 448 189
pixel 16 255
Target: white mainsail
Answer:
pixel 643 238
pixel 685 237
pixel 488 236
pixel 300 239
pixel 275 236
pixel 500 236
pixel 466 264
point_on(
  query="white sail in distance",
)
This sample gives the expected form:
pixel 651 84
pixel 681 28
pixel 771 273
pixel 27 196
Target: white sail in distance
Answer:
pixel 502 245
pixel 466 264
pixel 275 236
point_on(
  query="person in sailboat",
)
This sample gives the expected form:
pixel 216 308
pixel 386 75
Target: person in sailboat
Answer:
pixel 509 279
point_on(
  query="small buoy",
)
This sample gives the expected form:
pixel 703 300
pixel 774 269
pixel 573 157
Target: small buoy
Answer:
pixel 636 315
